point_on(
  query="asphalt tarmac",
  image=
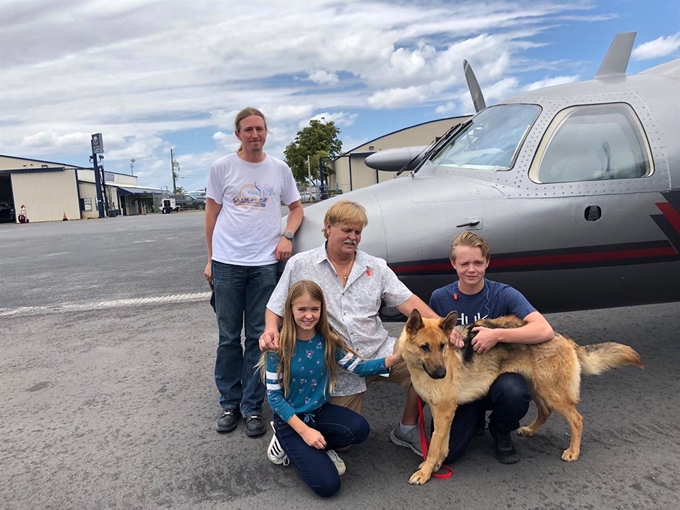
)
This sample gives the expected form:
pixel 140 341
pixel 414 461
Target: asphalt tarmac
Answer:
pixel 107 398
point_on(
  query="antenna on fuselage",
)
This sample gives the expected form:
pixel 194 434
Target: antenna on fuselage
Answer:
pixel 473 86
pixel 616 60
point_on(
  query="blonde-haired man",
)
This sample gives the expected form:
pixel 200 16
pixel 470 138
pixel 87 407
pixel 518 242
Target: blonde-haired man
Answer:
pixel 354 283
pixel 474 297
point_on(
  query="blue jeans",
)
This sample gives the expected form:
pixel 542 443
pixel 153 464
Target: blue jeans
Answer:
pixel 508 399
pixel 340 427
pixel 240 291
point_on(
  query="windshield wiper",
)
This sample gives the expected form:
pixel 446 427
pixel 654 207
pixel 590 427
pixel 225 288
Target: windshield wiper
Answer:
pixel 438 144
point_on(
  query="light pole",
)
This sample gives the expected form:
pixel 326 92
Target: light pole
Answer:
pixel 132 166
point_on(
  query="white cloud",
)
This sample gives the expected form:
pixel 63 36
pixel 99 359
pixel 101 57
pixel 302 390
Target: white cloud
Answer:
pixel 550 82
pixel 661 47
pixel 158 70
pixel 222 138
pixel 66 142
pixel 448 107
pixel 396 97
pixel 323 77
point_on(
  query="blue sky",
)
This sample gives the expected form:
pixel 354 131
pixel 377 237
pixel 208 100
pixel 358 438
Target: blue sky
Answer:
pixel 151 75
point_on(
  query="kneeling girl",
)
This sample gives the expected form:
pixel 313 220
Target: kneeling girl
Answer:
pixel 300 376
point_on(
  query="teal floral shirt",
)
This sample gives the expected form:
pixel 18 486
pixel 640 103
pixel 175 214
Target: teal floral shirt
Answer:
pixel 308 383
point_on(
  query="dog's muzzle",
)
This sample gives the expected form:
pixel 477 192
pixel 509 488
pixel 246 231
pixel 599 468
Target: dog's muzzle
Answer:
pixel 438 373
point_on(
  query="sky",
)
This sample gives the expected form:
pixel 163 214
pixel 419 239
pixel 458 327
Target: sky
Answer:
pixel 152 75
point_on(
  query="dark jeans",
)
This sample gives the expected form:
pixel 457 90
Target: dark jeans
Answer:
pixel 340 427
pixel 240 291
pixel 508 399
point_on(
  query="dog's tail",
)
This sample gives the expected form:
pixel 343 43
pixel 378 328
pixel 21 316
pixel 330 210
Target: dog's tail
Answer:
pixel 598 358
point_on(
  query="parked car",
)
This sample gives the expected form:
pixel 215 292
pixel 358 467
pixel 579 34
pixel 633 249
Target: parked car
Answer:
pixel 306 196
pixel 189 202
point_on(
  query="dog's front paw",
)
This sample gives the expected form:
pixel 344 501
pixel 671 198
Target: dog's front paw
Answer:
pixel 526 431
pixel 570 455
pixel 419 477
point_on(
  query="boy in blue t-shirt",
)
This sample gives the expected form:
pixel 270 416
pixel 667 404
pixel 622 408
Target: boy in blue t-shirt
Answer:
pixel 474 297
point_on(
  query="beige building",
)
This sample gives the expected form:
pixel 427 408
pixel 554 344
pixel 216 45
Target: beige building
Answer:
pixel 351 171
pixel 47 191
pixel 50 191
pixel 123 195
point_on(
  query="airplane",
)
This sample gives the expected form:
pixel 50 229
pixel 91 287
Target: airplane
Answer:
pixel 576 187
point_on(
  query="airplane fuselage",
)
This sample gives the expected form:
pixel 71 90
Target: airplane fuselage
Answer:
pixel 575 187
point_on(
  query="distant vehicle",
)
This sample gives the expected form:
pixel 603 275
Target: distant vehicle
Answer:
pixel 189 202
pixel 306 196
pixel 169 205
pixel 6 212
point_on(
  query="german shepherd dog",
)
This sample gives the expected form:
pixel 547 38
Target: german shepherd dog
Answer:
pixel 446 377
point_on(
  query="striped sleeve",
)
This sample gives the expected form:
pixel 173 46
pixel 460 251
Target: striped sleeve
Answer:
pixel 362 367
pixel 277 400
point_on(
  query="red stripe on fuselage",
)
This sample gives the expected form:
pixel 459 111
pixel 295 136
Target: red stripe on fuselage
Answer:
pixel 571 258
pixel 671 214
pixel 558 259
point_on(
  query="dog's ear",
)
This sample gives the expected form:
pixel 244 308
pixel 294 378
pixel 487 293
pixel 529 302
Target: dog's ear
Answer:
pixel 449 322
pixel 414 322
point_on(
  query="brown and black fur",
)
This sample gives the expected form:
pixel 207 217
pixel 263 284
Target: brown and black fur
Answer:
pixel 446 377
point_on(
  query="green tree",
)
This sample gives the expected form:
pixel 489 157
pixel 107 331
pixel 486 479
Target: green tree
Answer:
pixel 179 190
pixel 317 141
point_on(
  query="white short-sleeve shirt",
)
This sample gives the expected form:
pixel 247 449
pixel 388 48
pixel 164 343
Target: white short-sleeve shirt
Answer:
pixel 352 309
pixel 248 227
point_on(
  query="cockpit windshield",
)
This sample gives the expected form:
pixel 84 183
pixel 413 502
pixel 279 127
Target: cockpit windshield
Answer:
pixel 491 141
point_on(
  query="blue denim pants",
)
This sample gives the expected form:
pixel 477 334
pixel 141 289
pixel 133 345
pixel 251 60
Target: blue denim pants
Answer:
pixel 340 427
pixel 241 295
pixel 508 399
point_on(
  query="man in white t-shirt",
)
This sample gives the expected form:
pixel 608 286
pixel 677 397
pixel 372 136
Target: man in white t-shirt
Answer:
pixel 245 242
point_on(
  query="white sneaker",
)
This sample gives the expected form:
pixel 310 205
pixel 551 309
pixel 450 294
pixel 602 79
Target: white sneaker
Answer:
pixel 339 463
pixel 274 451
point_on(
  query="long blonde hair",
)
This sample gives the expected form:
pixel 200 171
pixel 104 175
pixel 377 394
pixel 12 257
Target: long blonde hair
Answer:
pixel 288 336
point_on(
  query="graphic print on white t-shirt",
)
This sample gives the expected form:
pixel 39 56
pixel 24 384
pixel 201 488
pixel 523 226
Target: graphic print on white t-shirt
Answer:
pixel 253 196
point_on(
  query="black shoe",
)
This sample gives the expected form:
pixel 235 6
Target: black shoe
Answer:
pixel 255 426
pixel 505 450
pixel 227 421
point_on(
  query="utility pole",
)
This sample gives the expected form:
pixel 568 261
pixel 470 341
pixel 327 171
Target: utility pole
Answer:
pixel 174 165
pixel 309 174
pixel 322 177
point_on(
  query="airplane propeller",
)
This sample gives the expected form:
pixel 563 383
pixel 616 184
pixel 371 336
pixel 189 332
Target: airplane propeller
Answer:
pixel 473 86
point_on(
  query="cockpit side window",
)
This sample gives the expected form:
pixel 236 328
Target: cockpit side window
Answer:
pixel 590 143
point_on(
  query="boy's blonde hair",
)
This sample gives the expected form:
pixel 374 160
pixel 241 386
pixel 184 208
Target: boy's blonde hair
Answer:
pixel 472 240
pixel 344 211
